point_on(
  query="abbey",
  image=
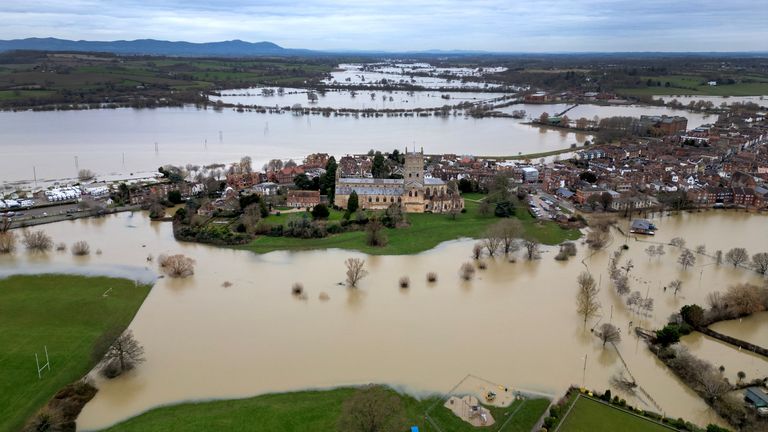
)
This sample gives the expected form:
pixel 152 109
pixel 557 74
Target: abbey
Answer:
pixel 416 192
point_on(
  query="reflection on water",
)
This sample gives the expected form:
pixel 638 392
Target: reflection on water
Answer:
pixel 100 138
pixel 515 323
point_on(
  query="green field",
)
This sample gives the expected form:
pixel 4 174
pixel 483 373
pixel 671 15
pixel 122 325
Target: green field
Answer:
pixel 425 232
pixel 36 78
pixel 692 85
pixel 589 415
pixel 301 411
pixel 65 313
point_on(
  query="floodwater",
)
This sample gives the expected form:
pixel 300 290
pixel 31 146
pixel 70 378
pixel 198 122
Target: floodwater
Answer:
pixel 348 74
pixel 533 111
pixel 514 324
pixel 751 329
pixel 361 100
pixel 55 144
pixel 731 358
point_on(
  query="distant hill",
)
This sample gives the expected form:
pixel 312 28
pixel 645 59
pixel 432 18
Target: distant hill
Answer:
pixel 233 48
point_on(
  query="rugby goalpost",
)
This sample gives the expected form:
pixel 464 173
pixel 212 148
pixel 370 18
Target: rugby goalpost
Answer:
pixel 46 365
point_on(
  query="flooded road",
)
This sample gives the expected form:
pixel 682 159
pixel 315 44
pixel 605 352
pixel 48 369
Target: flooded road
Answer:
pixel 515 323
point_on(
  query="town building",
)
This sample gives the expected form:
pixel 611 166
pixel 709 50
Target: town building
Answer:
pixel 415 192
pixel 302 198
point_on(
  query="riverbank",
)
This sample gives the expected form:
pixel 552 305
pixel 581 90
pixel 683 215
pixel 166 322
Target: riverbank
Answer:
pixel 64 315
pixel 316 410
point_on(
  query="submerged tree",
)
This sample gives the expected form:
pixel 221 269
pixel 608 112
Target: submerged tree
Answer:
pixel 7 242
pixel 81 248
pixel 759 261
pixel 686 259
pixel 355 270
pixel 609 333
pixel 587 304
pixel 37 241
pixel 123 355
pixel 466 271
pixel 737 256
pixel 676 285
pixel 677 242
pixel 176 266
pixel 531 248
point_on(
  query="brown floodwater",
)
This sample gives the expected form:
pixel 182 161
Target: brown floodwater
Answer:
pixel 514 324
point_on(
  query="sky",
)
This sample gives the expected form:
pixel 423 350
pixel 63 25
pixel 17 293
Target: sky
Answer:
pixel 487 25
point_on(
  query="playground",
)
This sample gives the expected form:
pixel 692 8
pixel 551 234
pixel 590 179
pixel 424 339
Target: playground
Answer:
pixel 479 403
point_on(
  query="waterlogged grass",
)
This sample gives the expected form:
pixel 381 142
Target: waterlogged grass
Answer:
pixel 425 232
pixel 65 313
pixel 589 415
pixel 300 411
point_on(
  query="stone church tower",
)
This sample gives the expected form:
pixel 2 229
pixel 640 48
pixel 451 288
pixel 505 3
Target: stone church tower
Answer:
pixel 413 175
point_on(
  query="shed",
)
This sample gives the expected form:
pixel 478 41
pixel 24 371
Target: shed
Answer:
pixel 756 397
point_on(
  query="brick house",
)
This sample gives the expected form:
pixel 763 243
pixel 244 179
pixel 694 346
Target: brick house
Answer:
pixel 302 198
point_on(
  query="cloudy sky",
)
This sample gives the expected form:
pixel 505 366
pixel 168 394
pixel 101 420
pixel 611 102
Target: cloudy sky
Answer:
pixel 491 25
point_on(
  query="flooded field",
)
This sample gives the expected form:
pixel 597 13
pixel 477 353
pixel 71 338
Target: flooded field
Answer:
pixel 716 100
pixel 360 100
pixel 515 323
pixel 403 74
pixel 123 140
pixel 533 111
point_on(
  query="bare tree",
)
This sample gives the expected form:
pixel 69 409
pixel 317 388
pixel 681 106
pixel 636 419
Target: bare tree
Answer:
pixel 651 252
pixel 686 259
pixel 477 250
pixel 404 282
pixel 375 235
pixel 176 266
pixel 719 257
pixel 609 333
pixel 355 270
pixel 745 299
pixel 37 241
pixel 737 256
pixel 245 165
pixel 598 238
pixel 431 277
pixel 716 301
pixel 646 305
pixel 81 248
pixel 85 175
pixel 466 271
pixel 701 249
pixel 759 261
pixel 123 355
pixel 508 230
pixel 660 252
pixel 492 241
pixel 531 248
pixel 7 242
pixel 676 285
pixel 622 284
pixel 587 303
pixel 634 300
pixel 677 242
pixel 372 409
